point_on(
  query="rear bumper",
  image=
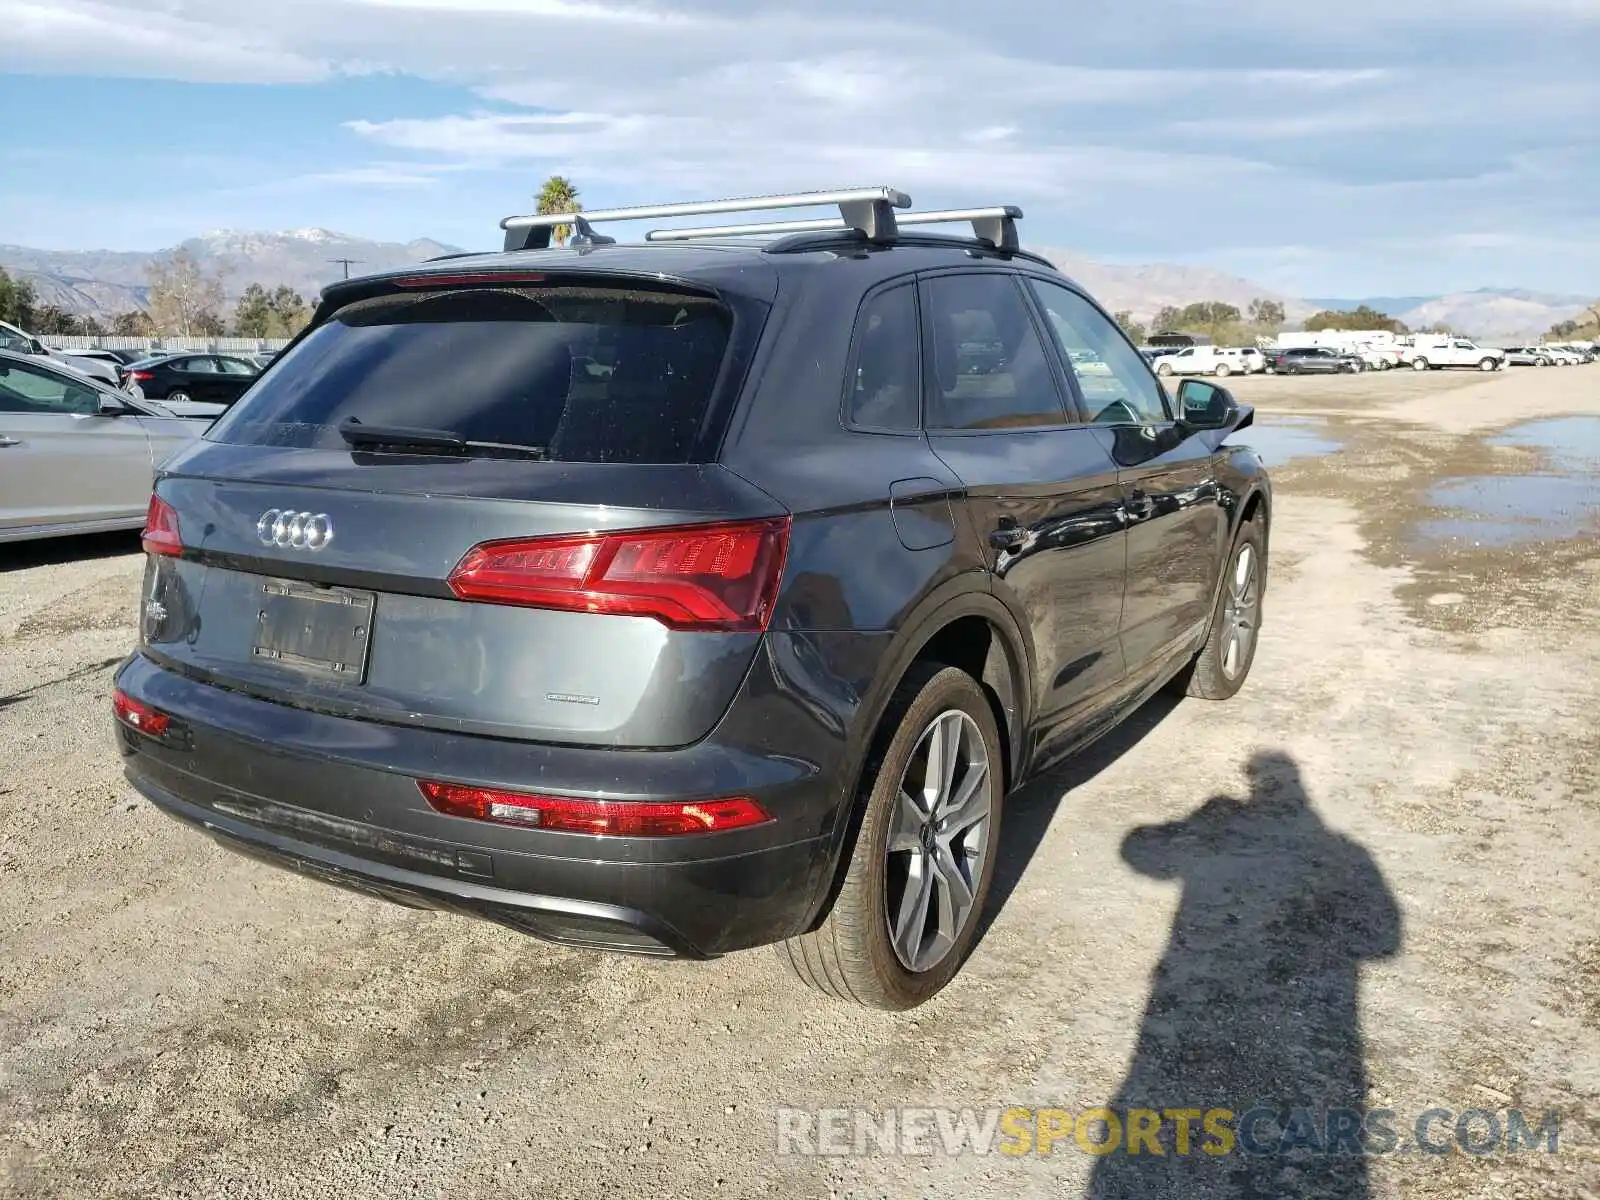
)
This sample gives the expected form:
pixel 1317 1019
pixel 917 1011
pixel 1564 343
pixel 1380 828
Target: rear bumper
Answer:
pixel 336 799
pixel 553 918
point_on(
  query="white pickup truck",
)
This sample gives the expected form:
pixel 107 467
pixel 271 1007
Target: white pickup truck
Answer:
pixel 1211 360
pixel 1431 353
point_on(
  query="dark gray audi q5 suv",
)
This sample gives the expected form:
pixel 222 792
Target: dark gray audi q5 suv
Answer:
pixel 682 596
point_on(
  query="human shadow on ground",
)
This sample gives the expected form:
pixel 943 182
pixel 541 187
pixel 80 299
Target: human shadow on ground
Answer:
pixel 1255 1004
pixel 1030 810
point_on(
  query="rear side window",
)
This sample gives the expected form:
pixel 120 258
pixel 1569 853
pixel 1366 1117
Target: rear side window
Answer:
pixel 579 374
pixel 883 392
pixel 988 364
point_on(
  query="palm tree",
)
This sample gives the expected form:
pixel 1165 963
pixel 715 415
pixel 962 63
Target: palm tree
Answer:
pixel 559 196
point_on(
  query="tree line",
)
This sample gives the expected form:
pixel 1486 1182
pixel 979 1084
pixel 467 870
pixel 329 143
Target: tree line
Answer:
pixel 183 301
pixel 1226 325
pixel 1585 325
pixel 1216 319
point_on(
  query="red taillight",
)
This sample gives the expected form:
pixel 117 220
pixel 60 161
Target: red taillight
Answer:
pixel 611 818
pixel 141 376
pixel 161 529
pixel 138 715
pixel 701 577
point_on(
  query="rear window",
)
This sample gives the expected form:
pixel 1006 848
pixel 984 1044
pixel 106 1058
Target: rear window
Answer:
pixel 579 374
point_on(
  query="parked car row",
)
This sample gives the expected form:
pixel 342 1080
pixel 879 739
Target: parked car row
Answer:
pixel 1569 354
pixel 19 341
pixel 184 377
pixel 76 454
pixel 1301 355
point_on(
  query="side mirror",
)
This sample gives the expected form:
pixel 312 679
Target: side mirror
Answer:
pixel 111 407
pixel 1203 405
pixel 35 346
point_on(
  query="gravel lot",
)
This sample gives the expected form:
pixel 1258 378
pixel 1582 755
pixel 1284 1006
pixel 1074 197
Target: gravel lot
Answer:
pixel 1372 878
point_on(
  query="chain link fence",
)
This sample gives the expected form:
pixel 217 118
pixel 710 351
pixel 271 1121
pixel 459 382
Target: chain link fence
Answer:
pixel 158 345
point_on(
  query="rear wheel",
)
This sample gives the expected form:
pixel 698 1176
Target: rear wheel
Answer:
pixel 177 395
pixel 1419 364
pixel 1541 362
pixel 908 909
pixel 1219 670
pixel 1164 369
pixel 1223 370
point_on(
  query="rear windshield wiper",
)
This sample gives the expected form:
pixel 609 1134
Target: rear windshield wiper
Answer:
pixel 431 441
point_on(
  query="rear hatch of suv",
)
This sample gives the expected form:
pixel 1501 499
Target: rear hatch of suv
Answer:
pixel 480 504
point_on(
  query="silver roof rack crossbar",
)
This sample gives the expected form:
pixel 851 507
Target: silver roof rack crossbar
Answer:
pixel 870 210
pixel 997 226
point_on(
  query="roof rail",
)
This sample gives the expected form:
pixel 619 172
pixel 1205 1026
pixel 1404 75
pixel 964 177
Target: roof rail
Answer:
pixel 868 210
pixel 996 226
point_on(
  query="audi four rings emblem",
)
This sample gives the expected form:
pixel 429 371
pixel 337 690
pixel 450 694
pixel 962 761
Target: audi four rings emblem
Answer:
pixel 294 530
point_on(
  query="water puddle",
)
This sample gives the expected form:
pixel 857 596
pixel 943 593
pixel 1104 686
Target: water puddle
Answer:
pixel 1499 510
pixel 1278 439
pixel 1570 443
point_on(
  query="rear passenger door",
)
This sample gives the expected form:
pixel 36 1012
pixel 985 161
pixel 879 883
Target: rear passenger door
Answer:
pixel 235 378
pixel 1041 488
pixel 204 380
pixel 1176 524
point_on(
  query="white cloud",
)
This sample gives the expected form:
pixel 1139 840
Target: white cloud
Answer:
pixel 72 37
pixel 372 175
pixel 566 10
pixel 1153 127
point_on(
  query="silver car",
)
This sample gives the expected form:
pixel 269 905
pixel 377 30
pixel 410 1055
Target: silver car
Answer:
pixel 20 341
pixel 77 456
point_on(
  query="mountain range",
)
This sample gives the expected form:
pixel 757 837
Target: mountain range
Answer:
pixel 104 283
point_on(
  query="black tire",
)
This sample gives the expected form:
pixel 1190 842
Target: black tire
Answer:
pixel 1164 369
pixel 849 956
pixel 1207 676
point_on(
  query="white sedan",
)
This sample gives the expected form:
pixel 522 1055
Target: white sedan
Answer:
pixel 77 456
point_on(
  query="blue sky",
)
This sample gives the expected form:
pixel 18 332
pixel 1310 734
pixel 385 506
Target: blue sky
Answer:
pixel 1376 146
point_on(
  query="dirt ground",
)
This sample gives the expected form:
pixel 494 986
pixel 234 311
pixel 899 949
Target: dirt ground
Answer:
pixel 1371 879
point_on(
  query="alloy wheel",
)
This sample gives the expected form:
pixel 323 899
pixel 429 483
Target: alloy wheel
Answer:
pixel 1241 612
pixel 938 841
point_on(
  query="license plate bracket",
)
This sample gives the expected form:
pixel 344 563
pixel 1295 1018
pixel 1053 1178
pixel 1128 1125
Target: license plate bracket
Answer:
pixel 321 631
